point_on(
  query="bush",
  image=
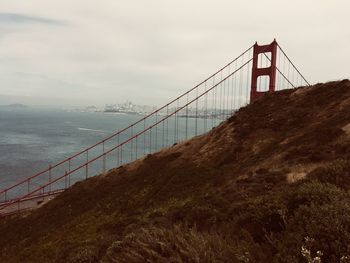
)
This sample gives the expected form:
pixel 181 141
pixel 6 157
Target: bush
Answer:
pixel 310 192
pixel 176 244
pixel 337 173
pixel 279 221
pixel 328 224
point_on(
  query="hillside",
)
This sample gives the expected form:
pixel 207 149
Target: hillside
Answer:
pixel 251 190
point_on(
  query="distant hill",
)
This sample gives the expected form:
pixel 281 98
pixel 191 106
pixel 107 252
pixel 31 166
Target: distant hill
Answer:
pixel 14 106
pixel 270 184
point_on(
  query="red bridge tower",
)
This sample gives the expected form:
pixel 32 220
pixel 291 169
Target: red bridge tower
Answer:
pixel 268 71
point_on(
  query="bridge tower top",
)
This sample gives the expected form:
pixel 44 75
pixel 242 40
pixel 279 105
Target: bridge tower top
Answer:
pixel 257 71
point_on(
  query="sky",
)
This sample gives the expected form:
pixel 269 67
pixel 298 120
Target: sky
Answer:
pixel 84 52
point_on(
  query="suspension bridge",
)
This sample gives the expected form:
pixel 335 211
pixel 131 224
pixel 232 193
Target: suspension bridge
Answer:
pixel 258 70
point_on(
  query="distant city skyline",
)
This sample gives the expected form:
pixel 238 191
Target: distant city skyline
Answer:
pixel 65 53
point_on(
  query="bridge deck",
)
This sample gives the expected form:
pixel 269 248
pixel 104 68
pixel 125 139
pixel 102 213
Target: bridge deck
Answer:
pixel 27 204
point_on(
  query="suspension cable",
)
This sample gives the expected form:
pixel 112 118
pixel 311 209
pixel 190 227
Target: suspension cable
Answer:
pixel 293 65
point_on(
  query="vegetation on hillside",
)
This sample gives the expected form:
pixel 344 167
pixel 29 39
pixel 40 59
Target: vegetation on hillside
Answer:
pixel 271 184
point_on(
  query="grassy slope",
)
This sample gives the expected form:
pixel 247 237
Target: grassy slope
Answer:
pixel 225 196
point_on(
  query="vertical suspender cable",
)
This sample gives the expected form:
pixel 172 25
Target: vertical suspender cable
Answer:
pixel 156 127
pixel 167 125
pixel 228 109
pixel 87 165
pixel 248 86
pixel 177 120
pixel 221 97
pixel 163 134
pixel 103 157
pixel 205 106
pixel 240 88
pixel 196 123
pixel 186 120
pixel 118 161
pixel 131 143
pixel 213 104
pixel 144 137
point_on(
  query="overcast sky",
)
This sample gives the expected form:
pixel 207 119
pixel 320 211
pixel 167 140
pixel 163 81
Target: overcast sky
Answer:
pixel 149 51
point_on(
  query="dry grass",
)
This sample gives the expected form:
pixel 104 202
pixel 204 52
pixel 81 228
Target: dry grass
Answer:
pixel 175 244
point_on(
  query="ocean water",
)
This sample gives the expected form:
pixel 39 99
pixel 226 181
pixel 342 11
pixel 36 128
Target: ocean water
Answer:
pixel 33 138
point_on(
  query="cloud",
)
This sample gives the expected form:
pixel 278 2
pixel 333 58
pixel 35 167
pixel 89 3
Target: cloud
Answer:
pixel 151 51
pixel 15 18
